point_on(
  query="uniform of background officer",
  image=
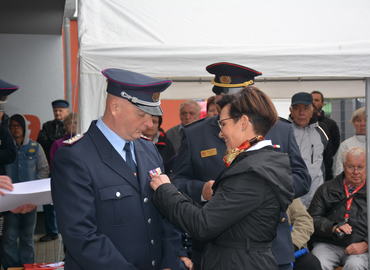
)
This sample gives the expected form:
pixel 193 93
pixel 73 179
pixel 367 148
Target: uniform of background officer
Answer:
pixel 51 131
pixel 199 161
pixel 8 150
pixel 7 147
pixel 100 184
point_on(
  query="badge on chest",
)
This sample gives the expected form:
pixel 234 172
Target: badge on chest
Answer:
pixel 208 152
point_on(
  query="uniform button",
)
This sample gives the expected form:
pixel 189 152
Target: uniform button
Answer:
pixel 118 194
pixel 149 220
pixel 153 263
pixel 152 242
pixel 146 200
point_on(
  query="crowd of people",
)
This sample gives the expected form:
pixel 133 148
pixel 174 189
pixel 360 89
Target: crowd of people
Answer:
pixel 241 188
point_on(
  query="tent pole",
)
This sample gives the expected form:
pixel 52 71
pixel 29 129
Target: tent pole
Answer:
pixel 67 60
pixel 367 93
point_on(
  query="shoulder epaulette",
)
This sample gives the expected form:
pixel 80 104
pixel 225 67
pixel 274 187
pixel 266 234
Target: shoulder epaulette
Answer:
pixel 73 140
pixel 145 138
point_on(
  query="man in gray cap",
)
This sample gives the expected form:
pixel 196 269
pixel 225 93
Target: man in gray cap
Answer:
pixel 100 184
pixel 311 139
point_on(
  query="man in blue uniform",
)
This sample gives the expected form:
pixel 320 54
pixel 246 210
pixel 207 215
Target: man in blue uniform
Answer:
pixel 100 184
pixel 199 161
pixel 7 147
pixel 8 150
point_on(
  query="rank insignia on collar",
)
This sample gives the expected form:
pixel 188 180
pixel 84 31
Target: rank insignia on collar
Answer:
pixel 73 140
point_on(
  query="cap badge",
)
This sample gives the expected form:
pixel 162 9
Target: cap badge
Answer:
pixel 155 96
pixel 225 79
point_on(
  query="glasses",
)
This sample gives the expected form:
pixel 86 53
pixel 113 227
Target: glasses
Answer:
pixel 219 122
pixel 354 168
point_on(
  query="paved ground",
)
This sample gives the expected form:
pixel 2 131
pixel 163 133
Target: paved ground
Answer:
pixel 47 252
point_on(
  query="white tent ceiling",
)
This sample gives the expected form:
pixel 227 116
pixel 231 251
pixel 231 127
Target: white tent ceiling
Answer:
pixel 295 39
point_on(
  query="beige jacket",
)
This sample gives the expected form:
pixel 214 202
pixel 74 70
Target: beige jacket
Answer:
pixel 302 223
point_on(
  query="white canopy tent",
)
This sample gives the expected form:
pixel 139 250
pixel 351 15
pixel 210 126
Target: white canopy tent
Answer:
pixel 298 45
pixel 306 41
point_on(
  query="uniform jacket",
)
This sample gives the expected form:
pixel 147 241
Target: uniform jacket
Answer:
pixel 166 150
pixel 312 141
pixel 191 170
pixel 104 213
pixel 239 222
pixel 51 131
pixel 328 207
pixel 175 136
pixel 30 162
pixel 7 149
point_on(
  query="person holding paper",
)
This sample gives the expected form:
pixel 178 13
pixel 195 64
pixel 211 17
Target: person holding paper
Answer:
pixel 5 183
pixel 19 224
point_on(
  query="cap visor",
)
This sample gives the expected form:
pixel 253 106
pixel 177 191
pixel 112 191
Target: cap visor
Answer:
pixel 153 110
pixel 301 102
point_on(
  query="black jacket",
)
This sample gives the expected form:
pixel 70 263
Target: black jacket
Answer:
pixel 51 131
pixel 239 222
pixel 166 150
pixel 332 130
pixel 328 207
pixel 8 150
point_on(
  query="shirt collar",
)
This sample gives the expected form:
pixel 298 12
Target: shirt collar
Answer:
pixel 117 142
pixel 260 145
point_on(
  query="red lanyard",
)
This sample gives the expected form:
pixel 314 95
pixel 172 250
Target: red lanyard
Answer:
pixel 350 200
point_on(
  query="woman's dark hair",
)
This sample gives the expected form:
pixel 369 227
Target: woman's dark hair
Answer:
pixel 255 104
pixel 160 120
pixel 212 100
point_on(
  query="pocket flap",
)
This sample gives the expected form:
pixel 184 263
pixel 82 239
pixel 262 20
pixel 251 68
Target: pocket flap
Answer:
pixel 115 192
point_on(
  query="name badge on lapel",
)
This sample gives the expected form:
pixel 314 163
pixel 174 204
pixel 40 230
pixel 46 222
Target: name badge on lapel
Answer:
pixel 208 153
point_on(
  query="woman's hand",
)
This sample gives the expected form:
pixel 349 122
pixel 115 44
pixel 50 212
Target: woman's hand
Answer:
pixel 5 183
pixel 158 180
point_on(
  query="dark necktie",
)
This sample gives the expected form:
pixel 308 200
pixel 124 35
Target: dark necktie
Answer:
pixel 129 160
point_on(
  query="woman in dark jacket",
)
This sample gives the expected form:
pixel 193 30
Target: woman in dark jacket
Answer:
pixel 240 220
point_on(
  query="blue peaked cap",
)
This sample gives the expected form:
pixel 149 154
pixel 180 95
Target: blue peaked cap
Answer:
pixel 60 103
pixel 7 88
pixel 141 90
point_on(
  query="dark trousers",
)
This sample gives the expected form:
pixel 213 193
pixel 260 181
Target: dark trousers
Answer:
pixel 307 262
pixel 50 219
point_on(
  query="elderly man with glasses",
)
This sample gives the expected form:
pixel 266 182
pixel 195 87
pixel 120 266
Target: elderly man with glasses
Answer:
pixel 339 211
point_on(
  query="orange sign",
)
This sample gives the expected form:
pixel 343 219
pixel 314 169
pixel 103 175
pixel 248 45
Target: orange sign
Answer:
pixel 34 125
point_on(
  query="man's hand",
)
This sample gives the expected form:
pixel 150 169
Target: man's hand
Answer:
pixel 356 248
pixel 23 209
pixel 5 183
pixel 346 228
pixel 207 191
pixel 188 263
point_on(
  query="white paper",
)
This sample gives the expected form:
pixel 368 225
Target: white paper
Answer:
pixel 31 192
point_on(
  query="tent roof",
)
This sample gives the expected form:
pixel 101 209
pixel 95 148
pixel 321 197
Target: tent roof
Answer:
pixel 280 38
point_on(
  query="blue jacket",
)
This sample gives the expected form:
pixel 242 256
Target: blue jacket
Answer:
pixel 105 215
pixel 30 162
pixel 200 160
